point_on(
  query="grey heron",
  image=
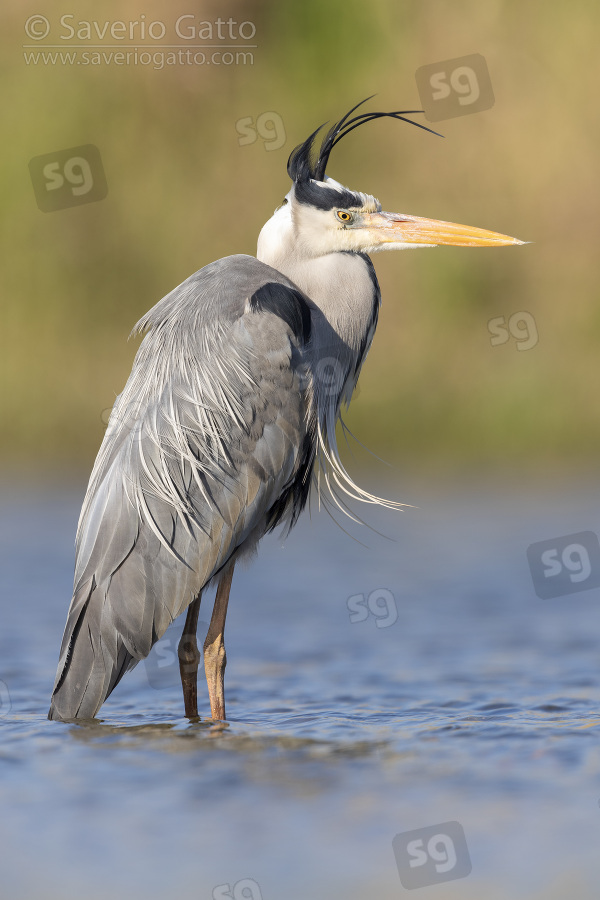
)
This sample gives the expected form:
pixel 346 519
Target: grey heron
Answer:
pixel 228 416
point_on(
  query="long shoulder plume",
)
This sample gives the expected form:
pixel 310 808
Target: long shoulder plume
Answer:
pixel 302 163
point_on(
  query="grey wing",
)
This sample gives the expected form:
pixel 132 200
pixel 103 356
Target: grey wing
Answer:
pixel 210 445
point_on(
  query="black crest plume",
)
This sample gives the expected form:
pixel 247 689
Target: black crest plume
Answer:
pixel 302 165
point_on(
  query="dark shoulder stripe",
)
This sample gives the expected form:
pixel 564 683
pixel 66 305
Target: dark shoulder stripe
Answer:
pixel 374 314
pixel 286 303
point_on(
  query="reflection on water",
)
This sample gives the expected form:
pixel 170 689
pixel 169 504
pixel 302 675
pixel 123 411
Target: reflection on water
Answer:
pixel 372 691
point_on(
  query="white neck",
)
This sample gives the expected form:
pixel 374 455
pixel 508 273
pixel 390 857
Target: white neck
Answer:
pixel 338 283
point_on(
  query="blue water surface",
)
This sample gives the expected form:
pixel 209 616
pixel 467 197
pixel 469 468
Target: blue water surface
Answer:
pixel 373 689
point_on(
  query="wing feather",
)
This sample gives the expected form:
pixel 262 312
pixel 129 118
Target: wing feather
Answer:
pixel 203 450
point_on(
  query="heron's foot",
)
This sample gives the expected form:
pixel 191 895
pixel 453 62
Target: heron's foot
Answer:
pixel 216 728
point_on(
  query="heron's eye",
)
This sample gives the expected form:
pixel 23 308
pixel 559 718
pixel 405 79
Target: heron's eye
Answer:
pixel 344 216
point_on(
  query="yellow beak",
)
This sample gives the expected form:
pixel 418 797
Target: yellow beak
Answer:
pixel 393 228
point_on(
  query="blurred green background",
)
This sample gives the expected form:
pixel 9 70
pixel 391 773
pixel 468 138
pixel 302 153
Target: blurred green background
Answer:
pixel 182 191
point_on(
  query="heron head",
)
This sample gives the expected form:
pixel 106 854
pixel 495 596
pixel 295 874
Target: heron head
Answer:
pixel 320 216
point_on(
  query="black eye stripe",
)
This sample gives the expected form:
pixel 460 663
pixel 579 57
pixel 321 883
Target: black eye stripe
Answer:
pixel 322 197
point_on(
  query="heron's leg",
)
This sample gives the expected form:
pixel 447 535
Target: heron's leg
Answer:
pixel 189 659
pixel 214 647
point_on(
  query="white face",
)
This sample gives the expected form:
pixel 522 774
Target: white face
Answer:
pixel 305 231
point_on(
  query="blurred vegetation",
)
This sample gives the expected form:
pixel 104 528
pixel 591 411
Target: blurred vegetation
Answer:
pixel 182 192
